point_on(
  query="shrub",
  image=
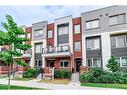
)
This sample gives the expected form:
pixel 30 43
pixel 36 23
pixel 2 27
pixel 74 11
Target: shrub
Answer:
pixel 113 65
pixel 32 73
pixel 62 74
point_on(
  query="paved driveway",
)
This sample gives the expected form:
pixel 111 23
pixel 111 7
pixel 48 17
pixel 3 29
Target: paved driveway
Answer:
pixel 35 83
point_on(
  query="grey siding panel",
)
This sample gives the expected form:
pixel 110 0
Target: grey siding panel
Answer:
pixel 119 52
pixel 103 16
pixel 38 56
pixel 93 54
pixel 63 39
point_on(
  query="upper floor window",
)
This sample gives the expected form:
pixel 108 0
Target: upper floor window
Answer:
pixel 38 33
pixel 63 30
pixel 28 35
pixel 77 46
pixel 38 48
pixel 92 24
pixel 118 41
pixel 76 29
pixel 50 33
pixel 92 44
pixel 117 19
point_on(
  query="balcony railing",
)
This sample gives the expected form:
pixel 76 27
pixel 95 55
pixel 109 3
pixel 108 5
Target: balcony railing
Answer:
pixel 57 49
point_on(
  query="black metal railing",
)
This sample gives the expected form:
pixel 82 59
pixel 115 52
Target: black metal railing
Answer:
pixel 58 49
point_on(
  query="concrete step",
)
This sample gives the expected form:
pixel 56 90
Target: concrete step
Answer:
pixel 75 77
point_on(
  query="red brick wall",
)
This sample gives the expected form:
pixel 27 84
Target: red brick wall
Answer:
pixel 50 41
pixel 77 37
pixel 29 30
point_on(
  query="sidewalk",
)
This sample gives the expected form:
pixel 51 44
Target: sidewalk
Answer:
pixel 36 84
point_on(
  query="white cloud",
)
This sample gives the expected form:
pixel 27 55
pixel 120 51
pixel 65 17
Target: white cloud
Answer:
pixel 26 15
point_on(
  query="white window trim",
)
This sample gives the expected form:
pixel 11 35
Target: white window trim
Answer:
pixel 51 33
pixel 77 32
pixel 93 63
pixel 64 64
pixel 79 48
pixel 37 62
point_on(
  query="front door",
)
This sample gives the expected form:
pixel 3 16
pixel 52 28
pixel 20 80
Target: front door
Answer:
pixel 78 64
pixel 50 64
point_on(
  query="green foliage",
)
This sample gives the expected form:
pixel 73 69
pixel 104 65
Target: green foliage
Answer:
pixel 60 74
pixel 96 75
pixel 32 73
pixel 113 65
pixel 11 37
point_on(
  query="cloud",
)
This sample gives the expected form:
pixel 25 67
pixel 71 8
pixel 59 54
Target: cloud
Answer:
pixel 26 15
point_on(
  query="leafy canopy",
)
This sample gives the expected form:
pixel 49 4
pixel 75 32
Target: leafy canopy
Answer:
pixel 13 41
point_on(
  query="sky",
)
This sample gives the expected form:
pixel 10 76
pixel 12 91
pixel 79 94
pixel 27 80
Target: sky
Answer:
pixel 26 15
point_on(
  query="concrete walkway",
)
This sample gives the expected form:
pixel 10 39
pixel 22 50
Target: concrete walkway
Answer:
pixel 35 83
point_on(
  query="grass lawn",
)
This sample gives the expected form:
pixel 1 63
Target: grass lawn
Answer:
pixel 23 79
pixel 5 87
pixel 1 77
pixel 102 85
pixel 56 81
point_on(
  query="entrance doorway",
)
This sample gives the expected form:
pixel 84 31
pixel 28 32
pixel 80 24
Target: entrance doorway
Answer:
pixel 78 64
pixel 50 63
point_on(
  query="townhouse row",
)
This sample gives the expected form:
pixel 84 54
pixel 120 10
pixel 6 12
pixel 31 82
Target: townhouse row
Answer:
pixel 71 43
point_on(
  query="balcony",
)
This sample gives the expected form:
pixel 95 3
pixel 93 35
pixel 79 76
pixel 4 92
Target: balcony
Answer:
pixel 59 51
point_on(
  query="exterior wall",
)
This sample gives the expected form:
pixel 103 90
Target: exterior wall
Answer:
pixel 36 26
pixel 50 41
pixel 104 29
pixel 63 20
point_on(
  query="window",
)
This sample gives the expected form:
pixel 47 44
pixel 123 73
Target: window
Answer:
pixel 38 48
pixel 63 30
pixel 21 36
pixel 76 29
pixel 64 63
pixel 50 32
pixel 124 61
pixel 38 62
pixel 28 35
pixel 94 62
pixel 92 24
pixel 38 33
pixel 92 44
pixel 117 19
pixel 77 46
pixel 118 41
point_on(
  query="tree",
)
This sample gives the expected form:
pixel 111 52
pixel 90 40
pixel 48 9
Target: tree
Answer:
pixel 113 65
pixel 12 39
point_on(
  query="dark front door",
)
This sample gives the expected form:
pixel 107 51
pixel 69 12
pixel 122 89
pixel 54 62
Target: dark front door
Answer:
pixel 78 64
pixel 50 64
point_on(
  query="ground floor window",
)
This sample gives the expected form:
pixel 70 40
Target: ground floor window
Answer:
pixel 94 62
pixel 64 63
pixel 38 62
pixel 50 63
pixel 122 61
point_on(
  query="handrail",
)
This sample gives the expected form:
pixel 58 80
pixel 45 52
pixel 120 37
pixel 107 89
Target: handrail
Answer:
pixel 65 48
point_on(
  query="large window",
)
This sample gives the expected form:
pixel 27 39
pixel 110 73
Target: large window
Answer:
pixel 38 48
pixel 28 35
pixel 62 30
pixel 92 44
pixel 94 62
pixel 38 33
pixel 77 46
pixel 50 33
pixel 64 63
pixel 76 29
pixel 122 61
pixel 118 41
pixel 92 24
pixel 38 62
pixel 117 19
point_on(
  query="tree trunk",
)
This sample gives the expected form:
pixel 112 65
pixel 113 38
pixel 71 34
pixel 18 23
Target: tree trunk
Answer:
pixel 9 79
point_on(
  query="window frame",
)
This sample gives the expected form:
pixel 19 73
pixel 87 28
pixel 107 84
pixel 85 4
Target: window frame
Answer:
pixel 78 44
pixel 118 19
pixel 51 35
pixel 36 34
pixel 41 45
pixel 91 25
pixel 64 63
pixel 75 29
pixel 92 60
pixel 37 64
